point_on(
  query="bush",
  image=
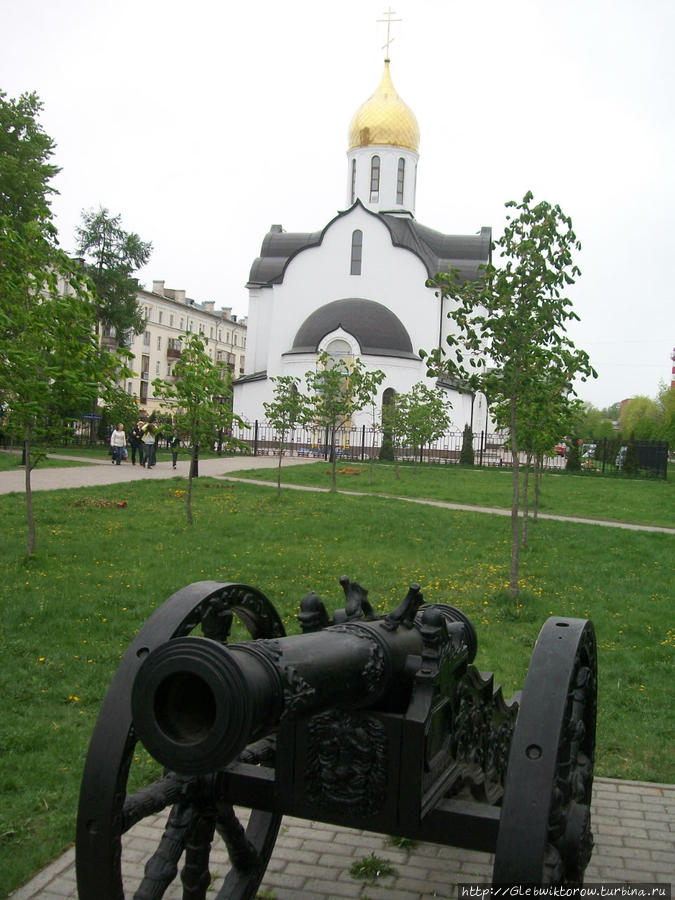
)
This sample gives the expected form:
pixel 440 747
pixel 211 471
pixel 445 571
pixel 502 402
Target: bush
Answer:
pixel 466 456
pixel 574 456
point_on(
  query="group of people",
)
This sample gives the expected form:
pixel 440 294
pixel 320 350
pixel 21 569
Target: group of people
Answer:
pixel 143 441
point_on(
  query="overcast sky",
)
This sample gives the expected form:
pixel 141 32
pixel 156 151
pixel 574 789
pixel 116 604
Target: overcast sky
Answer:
pixel 203 123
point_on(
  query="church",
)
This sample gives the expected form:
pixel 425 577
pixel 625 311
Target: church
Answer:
pixel 356 288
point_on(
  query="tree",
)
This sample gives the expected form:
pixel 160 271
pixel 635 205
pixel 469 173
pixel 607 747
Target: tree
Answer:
pixel 466 456
pixel 198 400
pixel 50 365
pixel 113 256
pixel 337 389
pixel 641 418
pixel 420 417
pixel 284 412
pixel 592 423
pixel 511 327
pixel 666 401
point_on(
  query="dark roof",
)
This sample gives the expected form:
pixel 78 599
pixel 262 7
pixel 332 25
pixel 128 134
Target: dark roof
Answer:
pixel 436 250
pixel 377 329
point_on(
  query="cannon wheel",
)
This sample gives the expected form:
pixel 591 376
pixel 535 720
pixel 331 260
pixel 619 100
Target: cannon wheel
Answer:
pixel 106 812
pixel 544 828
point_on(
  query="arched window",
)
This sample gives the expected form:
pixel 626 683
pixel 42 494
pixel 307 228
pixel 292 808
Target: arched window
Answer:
pixel 399 180
pixel 375 179
pixel 357 252
pixel 353 180
pixel 338 348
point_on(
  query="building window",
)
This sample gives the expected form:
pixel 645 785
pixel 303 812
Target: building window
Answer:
pixel 157 368
pixel 228 338
pixel 171 321
pixel 220 336
pixel 211 332
pixel 146 338
pixel 168 371
pixel 159 342
pixel 399 180
pixel 147 313
pixel 159 316
pixel 201 328
pixel 353 180
pixel 357 252
pixel 375 179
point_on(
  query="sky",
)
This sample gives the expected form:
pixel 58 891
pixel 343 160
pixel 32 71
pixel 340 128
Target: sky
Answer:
pixel 203 123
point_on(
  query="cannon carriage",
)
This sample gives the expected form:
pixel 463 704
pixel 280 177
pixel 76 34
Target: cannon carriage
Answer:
pixel 379 723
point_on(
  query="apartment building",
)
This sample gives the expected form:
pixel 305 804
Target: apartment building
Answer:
pixel 168 315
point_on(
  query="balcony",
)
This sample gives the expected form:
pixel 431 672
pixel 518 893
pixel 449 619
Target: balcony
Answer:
pixel 173 349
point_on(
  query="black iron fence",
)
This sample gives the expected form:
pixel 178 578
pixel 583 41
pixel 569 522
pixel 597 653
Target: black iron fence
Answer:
pixel 605 456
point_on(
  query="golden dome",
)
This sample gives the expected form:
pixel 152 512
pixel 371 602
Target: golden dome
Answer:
pixel 384 119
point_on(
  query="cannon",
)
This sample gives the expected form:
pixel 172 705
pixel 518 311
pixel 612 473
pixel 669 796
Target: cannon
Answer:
pixel 375 722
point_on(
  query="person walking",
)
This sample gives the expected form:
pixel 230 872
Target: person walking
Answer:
pixel 174 444
pixel 136 441
pixel 149 445
pixel 118 441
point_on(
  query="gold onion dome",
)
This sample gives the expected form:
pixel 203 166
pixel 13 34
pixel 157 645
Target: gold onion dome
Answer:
pixel 384 119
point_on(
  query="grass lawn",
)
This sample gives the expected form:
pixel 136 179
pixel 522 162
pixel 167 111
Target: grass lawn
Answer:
pixel 640 501
pixel 101 569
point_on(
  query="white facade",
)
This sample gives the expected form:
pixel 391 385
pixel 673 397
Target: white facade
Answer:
pixel 362 278
pixel 169 315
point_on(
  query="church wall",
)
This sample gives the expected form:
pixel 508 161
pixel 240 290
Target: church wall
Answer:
pixel 257 348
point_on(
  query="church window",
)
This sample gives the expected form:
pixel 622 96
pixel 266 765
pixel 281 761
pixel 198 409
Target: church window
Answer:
pixel 357 252
pixel 375 179
pixel 353 180
pixel 399 180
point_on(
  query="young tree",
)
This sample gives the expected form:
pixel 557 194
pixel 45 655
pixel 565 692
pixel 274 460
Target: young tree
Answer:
pixel 337 389
pixel 466 456
pixel 284 412
pixel 198 400
pixel 49 361
pixel 112 256
pixel 421 416
pixel 511 326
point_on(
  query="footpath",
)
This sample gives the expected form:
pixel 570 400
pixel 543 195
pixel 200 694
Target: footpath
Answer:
pixel 633 822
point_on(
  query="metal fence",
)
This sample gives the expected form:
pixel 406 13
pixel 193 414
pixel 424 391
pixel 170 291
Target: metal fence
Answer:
pixel 604 456
pixel 363 444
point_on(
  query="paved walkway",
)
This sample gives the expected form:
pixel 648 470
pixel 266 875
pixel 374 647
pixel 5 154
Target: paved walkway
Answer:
pixel 101 472
pixel 633 823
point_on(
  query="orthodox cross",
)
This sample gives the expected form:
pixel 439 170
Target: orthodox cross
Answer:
pixel 389 13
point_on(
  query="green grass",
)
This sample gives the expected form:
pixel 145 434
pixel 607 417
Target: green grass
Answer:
pixel 69 614
pixel 640 501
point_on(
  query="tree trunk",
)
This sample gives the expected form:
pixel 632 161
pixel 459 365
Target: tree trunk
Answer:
pixel 526 485
pixel 538 470
pixel 333 455
pixel 188 496
pixel 30 518
pixel 281 452
pixel 515 523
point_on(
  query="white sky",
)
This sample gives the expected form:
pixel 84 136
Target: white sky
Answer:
pixel 202 123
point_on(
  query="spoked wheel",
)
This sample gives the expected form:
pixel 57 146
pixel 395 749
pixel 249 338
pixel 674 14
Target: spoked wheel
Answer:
pixel 108 806
pixel 545 824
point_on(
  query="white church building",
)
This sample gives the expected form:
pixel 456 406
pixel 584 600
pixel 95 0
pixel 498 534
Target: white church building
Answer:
pixel 356 288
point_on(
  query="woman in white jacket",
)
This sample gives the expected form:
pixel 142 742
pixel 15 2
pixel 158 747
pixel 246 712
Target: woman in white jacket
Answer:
pixel 118 441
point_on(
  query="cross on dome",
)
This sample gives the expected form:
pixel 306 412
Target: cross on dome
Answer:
pixel 388 13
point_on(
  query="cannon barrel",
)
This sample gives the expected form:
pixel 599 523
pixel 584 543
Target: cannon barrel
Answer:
pixel 197 703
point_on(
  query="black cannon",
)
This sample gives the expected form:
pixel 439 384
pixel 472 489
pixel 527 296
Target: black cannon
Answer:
pixel 373 722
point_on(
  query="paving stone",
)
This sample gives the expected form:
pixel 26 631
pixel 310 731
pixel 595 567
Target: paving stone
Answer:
pixel 633 827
